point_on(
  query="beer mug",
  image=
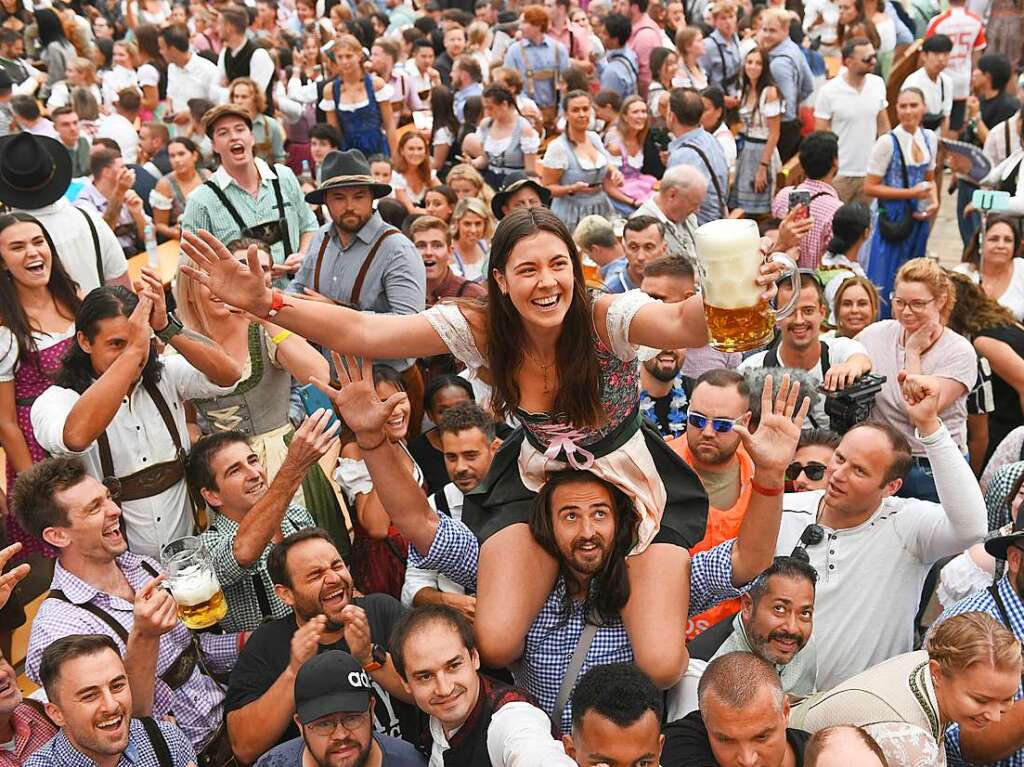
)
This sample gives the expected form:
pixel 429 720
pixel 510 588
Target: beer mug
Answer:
pixel 193 582
pixel 728 258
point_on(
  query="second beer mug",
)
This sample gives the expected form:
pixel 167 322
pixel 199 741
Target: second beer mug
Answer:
pixel 193 582
pixel 728 257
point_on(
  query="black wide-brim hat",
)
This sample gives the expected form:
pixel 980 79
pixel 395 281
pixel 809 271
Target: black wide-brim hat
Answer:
pixel 35 171
pixel 346 169
pixel 516 181
pixel 998 545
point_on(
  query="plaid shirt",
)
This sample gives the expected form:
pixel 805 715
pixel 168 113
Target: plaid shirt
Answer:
pixel 554 634
pixel 823 208
pixel 249 590
pixel 138 753
pixel 31 730
pixel 197 705
pixel 982 601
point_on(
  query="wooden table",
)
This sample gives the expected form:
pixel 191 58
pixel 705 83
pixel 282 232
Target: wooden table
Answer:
pixel 168 262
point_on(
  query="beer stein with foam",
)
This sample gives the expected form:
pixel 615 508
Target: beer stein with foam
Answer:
pixel 193 582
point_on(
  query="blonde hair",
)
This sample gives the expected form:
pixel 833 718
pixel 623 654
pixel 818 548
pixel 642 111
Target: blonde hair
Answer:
pixel 869 288
pixel 477 207
pixel 351 43
pixel 933 277
pixel 968 639
pixel 259 98
pixel 780 15
pixel 88 68
pixel 476 35
pixel 466 172
pixel 189 300
pixel 133 51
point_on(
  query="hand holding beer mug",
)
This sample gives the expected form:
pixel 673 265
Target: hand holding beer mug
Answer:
pixel 154 613
pixel 729 259
pixel 193 582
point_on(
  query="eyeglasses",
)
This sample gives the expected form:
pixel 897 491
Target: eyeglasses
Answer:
pixel 350 722
pixel 917 306
pixel 811 536
pixel 720 425
pixel 812 469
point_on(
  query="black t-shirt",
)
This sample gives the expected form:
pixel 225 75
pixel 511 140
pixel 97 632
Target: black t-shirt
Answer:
pixel 265 657
pixel 1001 107
pixel 431 462
pixel 686 743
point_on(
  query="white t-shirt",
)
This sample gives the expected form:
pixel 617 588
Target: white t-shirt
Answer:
pixel 1013 296
pixel 938 94
pixel 839 351
pixel 967 32
pixel 854 119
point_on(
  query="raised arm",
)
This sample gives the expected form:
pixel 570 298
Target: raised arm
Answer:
pixel 345 330
pixel 363 412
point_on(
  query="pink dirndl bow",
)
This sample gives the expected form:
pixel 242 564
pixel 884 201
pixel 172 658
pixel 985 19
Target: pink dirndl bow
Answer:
pixel 564 438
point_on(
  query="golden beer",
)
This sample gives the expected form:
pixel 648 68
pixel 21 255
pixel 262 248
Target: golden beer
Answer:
pixel 736 330
pixel 729 258
pixel 202 615
pixel 192 581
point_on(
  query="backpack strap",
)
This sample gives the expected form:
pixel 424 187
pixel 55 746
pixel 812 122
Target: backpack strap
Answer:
pixel 95 245
pixel 157 741
pixel 441 502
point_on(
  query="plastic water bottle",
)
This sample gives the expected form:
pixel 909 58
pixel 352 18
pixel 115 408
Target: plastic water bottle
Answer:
pixel 307 175
pixel 152 255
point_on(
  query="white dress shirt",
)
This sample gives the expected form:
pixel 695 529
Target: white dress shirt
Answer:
pixel 138 440
pixel 196 80
pixel 119 128
pixel 261 66
pixel 417 578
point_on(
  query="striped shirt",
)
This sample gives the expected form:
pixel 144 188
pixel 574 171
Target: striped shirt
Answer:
pixel 138 753
pixel 204 211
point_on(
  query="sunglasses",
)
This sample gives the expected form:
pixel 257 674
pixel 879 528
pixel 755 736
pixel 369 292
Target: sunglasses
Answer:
pixel 720 425
pixel 812 469
pixel 811 536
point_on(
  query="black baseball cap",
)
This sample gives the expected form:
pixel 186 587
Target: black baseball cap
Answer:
pixel 332 682
pixel 937 44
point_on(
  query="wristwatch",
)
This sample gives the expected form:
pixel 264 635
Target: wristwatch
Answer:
pixel 378 657
pixel 172 329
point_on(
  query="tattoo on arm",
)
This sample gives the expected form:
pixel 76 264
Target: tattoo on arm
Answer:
pixel 197 337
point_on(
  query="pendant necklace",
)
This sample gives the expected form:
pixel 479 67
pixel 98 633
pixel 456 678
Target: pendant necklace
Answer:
pixel 543 368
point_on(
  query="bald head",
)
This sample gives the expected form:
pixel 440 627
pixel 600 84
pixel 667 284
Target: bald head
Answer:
pixel 682 191
pixel 842 746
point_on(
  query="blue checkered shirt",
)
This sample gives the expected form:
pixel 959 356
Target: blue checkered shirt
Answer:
pixel 553 636
pixel 197 705
pixel 139 753
pixel 982 601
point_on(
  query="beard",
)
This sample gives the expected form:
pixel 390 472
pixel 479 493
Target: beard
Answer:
pixel 762 645
pixel 326 759
pixel 345 222
pixel 594 561
pixel 660 372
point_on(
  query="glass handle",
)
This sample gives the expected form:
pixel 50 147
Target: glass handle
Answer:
pixel 794 283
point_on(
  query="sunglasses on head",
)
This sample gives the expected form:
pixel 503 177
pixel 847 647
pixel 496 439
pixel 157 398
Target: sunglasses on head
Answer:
pixel 812 469
pixel 720 425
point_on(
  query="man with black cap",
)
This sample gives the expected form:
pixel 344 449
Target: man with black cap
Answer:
pixel 334 713
pixel 519 191
pixel 1001 743
pixel 35 172
pixel 248 198
pixel 358 260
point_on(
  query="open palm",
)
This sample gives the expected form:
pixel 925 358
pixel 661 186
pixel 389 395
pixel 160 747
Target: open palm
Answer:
pixel 355 398
pixel 772 446
pixel 237 284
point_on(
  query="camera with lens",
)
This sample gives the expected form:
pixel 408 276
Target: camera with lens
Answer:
pixel 848 407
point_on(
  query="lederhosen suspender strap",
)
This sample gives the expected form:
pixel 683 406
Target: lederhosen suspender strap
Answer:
pixel 727 80
pixel 152 480
pixel 233 211
pixel 629 64
pixel 357 286
pixel 157 741
pixel 95 246
pixel 771 360
pixel 994 591
pixel 714 178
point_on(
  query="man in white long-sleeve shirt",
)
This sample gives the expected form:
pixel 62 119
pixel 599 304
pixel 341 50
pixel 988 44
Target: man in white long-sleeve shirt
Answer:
pixel 873 550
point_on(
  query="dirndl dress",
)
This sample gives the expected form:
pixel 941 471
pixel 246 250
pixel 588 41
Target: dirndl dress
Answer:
pixel 748 161
pixel 625 450
pixel 573 208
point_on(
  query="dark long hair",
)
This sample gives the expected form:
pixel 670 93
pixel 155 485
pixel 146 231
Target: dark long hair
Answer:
pixel 612 583
pixel 63 289
pixel 442 108
pixel 579 390
pixel 765 80
pixel 100 304
pixel 49 28
pixel 972 253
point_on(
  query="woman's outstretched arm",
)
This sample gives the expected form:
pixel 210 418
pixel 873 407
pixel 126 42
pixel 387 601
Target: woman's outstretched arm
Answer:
pixel 382 336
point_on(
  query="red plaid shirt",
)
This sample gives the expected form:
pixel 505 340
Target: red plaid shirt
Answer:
pixel 823 208
pixel 31 731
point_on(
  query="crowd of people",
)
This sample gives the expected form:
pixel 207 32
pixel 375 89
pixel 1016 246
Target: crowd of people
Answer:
pixel 395 317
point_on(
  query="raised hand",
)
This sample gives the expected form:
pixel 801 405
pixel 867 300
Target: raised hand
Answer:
pixel 234 283
pixel 10 579
pixel 305 642
pixel 356 399
pixel 153 288
pixel 313 439
pixel 357 633
pixel 921 400
pixel 139 329
pixel 772 446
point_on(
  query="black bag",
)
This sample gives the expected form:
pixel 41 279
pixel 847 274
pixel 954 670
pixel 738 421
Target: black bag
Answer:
pixel 898 230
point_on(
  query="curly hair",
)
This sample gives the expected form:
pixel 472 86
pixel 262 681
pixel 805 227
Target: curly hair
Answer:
pixel 974 311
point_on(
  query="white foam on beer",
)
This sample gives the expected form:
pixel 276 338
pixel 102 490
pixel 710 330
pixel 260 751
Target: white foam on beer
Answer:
pixel 729 254
pixel 194 585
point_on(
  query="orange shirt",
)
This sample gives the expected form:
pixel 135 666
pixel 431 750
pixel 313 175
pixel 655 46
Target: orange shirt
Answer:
pixel 723 524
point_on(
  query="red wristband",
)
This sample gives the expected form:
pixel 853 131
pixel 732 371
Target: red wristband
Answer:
pixel 276 303
pixel 769 491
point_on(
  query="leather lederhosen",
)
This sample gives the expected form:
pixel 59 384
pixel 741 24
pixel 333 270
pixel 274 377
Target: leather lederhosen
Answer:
pixel 152 480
